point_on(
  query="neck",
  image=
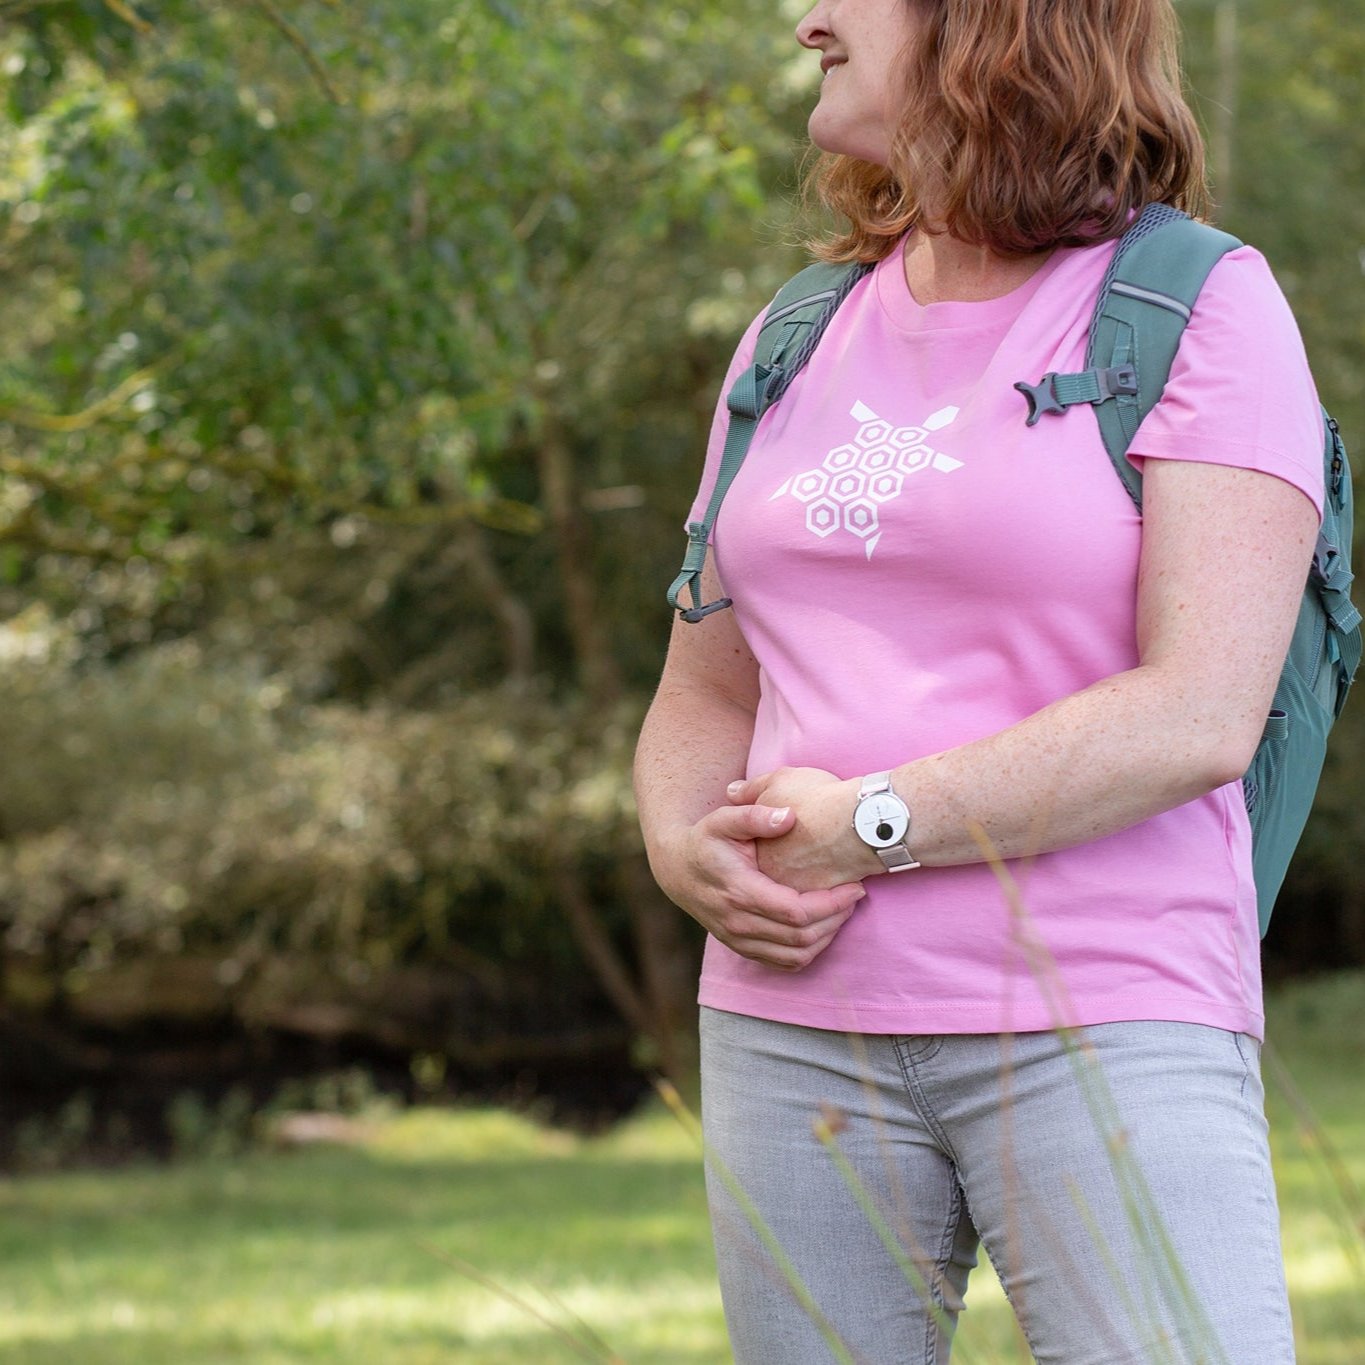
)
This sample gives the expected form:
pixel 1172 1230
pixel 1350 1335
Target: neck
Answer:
pixel 941 269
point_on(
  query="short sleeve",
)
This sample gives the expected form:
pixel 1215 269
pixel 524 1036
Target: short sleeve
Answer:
pixel 1240 392
pixel 720 422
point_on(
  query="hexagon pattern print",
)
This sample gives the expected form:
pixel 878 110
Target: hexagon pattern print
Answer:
pixel 855 480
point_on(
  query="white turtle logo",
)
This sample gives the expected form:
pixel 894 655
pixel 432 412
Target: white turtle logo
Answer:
pixel 854 480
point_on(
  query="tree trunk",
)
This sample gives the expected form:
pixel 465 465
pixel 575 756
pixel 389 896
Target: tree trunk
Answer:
pixel 593 656
pixel 668 971
pixel 511 613
pixel 1225 106
pixel 656 994
pixel 600 953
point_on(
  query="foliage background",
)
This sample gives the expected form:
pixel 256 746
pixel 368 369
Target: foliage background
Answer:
pixel 355 362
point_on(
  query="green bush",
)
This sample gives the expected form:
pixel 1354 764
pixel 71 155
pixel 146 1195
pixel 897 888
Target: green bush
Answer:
pixel 176 806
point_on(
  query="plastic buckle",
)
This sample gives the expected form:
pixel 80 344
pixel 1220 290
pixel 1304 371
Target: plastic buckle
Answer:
pixel 694 614
pixel 1122 379
pixel 1042 397
pixel 1326 561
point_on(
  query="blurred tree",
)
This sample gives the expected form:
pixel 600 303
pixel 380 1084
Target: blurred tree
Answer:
pixel 372 348
pixel 437 296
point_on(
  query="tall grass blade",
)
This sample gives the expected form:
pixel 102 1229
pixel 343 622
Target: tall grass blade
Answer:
pixel 1116 1278
pixel 594 1350
pixel 670 1096
pixel 1160 1259
pixel 824 1131
pixel 1314 1138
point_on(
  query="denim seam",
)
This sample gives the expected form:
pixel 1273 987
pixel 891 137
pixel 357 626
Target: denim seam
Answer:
pixel 1000 1275
pixel 906 1060
pixel 1246 1065
pixel 918 1098
pixel 932 1330
pixel 928 1046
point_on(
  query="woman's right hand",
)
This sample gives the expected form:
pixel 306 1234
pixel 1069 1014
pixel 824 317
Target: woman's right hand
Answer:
pixel 711 870
pixel 697 736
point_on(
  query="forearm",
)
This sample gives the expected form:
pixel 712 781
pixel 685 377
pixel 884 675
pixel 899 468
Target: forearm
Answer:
pixel 1184 721
pixel 703 851
pixel 692 745
pixel 1087 766
pixel 1082 768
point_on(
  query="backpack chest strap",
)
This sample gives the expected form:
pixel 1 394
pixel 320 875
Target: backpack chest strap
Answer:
pixel 1057 392
pixel 1145 300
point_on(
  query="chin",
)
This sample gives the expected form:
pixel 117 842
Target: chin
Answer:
pixel 829 137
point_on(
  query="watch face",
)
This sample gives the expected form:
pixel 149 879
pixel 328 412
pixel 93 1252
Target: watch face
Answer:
pixel 881 820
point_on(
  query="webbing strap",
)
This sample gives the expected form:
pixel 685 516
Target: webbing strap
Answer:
pixel 1057 392
pixel 1347 649
pixel 1333 580
pixel 1094 386
pixel 799 314
pixel 746 401
pixel 1148 291
pixel 1341 611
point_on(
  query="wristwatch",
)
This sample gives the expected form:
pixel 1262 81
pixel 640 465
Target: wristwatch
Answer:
pixel 882 820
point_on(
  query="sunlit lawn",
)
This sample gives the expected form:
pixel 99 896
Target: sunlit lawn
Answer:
pixel 348 1254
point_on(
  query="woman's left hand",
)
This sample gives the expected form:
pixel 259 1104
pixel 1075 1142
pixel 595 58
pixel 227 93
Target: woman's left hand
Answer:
pixel 821 850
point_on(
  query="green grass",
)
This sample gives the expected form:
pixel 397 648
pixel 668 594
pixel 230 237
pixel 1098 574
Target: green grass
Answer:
pixel 322 1255
pixel 346 1255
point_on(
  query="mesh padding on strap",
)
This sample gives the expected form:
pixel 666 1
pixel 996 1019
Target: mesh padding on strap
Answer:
pixel 797 362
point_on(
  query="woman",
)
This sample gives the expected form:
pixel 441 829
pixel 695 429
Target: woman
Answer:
pixel 1027 1009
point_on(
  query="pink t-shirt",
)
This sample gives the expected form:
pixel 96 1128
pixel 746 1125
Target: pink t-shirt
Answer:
pixel 915 568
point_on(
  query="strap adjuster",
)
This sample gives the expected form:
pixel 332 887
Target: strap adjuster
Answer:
pixel 1121 379
pixel 694 614
pixel 1056 392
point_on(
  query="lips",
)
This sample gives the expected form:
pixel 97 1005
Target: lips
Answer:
pixel 827 64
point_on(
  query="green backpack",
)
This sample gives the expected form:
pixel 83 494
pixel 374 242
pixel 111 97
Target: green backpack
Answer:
pixel 1145 300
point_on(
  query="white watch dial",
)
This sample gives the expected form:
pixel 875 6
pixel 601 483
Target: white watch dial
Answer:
pixel 881 819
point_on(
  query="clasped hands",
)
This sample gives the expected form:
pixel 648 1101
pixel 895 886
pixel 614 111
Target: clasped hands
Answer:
pixel 775 874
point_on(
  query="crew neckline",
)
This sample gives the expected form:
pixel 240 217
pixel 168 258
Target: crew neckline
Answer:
pixel 905 311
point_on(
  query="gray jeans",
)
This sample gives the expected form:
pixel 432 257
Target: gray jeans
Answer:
pixel 1119 1180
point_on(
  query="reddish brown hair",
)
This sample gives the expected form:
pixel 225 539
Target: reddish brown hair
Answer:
pixel 1027 124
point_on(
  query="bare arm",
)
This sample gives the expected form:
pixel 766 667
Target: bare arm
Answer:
pixel 1225 555
pixel 703 849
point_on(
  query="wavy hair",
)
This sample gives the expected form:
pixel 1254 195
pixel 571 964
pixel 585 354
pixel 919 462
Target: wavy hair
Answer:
pixel 1026 125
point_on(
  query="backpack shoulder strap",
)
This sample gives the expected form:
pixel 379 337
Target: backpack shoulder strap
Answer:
pixel 1145 300
pixel 802 303
pixel 791 329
